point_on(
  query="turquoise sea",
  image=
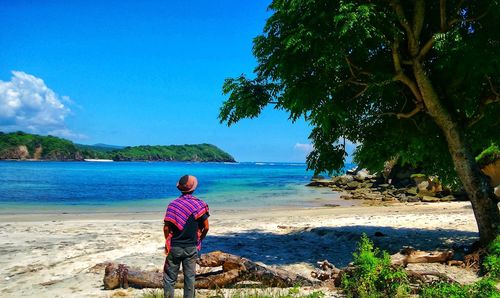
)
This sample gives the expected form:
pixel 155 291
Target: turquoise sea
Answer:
pixel 147 186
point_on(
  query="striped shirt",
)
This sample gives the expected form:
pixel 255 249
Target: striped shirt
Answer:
pixel 180 213
pixel 180 209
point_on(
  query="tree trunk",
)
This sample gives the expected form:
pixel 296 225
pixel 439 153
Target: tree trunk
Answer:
pixel 474 181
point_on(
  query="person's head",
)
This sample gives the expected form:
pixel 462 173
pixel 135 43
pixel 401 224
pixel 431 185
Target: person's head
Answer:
pixel 187 184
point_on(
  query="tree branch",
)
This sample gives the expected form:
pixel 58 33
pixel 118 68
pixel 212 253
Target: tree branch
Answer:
pixel 412 43
pixel 400 75
pixel 475 120
pixel 410 114
pixel 349 64
pixel 415 111
pixel 486 101
pixel 426 48
pixel 398 9
pixel 493 89
pixel 357 83
pixel 355 70
pixel 418 18
pixel 395 57
pixel 406 116
pixel 442 14
pixel 362 91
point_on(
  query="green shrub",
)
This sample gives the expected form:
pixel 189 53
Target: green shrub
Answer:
pixel 484 288
pixel 250 293
pixel 491 262
pixel 489 155
pixel 273 293
pixel 373 275
pixel 152 294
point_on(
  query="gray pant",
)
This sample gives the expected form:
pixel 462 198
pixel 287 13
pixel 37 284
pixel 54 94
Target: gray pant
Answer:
pixel 187 256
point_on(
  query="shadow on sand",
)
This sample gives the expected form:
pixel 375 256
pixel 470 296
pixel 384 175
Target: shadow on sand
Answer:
pixel 336 244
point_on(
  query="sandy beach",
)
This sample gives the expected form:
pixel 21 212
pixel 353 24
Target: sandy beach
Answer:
pixel 54 255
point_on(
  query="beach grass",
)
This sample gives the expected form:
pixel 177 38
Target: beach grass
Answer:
pixel 295 292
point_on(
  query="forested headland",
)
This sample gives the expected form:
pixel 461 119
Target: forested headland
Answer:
pixel 25 146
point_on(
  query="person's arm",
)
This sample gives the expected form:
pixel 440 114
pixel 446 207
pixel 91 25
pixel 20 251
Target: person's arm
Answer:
pixel 166 229
pixel 204 229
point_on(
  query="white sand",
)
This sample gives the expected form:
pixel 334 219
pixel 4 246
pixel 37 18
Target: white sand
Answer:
pixel 52 255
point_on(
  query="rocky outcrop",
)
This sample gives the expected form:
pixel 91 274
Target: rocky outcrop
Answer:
pixel 23 152
pixel 64 156
pixel 492 170
pixel 361 185
pixel 18 152
pixel 38 152
pixel 428 186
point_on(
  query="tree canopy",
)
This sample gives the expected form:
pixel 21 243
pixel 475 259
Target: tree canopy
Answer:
pixel 345 67
pixel 416 79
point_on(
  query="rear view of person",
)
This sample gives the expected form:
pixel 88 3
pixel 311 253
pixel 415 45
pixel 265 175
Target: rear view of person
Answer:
pixel 185 226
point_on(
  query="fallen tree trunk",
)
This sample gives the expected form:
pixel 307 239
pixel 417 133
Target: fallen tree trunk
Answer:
pixel 410 256
pixel 121 276
pixel 420 276
pixel 252 271
pixel 234 269
pixel 237 269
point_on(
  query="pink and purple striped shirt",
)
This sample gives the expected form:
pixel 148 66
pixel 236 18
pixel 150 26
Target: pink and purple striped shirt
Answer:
pixel 179 211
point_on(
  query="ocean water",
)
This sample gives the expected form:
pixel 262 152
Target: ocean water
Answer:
pixel 149 186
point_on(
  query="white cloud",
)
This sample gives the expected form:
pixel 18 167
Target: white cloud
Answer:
pixel 67 134
pixel 27 104
pixel 305 148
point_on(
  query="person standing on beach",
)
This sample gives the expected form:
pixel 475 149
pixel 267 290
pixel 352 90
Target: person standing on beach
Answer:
pixel 185 226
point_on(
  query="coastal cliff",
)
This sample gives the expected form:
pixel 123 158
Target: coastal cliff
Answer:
pixel 24 146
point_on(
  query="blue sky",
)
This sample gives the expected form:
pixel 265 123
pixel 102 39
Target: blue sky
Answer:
pixel 137 72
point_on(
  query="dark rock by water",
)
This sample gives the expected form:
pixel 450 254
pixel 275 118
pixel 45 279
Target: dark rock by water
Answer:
pixel 359 184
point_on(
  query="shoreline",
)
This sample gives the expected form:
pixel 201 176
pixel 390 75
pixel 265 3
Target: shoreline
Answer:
pixel 86 160
pixel 362 208
pixel 303 198
pixel 142 215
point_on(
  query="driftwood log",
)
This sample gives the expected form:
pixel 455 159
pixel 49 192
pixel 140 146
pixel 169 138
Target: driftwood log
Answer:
pixel 410 256
pixel 325 271
pixel 234 269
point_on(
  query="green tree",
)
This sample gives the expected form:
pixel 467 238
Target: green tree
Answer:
pixel 416 79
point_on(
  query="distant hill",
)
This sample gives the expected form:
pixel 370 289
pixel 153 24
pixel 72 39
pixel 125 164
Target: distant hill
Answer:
pixel 201 152
pixel 20 145
pixel 24 146
pixel 100 147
